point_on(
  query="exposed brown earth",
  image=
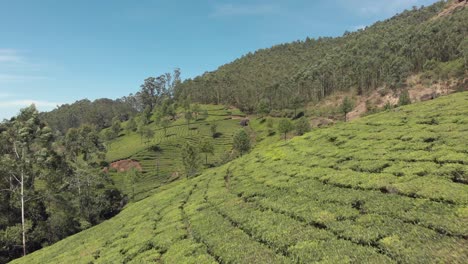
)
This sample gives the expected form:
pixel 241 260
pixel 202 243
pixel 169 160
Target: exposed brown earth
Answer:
pixel 123 166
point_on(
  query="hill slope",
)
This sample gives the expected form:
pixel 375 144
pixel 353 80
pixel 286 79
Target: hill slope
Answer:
pixel 382 55
pixel 161 157
pixel 388 188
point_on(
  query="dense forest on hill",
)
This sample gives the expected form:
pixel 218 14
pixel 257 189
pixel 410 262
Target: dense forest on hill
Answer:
pixel 98 113
pixel 384 54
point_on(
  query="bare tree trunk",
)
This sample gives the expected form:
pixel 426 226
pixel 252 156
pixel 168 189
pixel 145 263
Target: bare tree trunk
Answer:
pixel 22 214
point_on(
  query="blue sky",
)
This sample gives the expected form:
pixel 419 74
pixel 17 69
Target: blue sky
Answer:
pixel 60 51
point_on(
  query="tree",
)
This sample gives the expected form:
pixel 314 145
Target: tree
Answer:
pixel 188 118
pixel 214 129
pixel 131 125
pixel 116 126
pixel 302 126
pixel 241 142
pixel 285 126
pixel 404 98
pixel 165 124
pixel 28 148
pixel 205 114
pixel 346 107
pixel 263 108
pixel 206 147
pixel 133 175
pixel 148 133
pixel 172 112
pixel 196 110
pixel 190 159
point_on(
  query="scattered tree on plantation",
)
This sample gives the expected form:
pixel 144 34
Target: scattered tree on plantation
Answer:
pixel 346 107
pixel 133 175
pixel 148 134
pixel 172 112
pixel 206 147
pixel 116 126
pixel 131 125
pixel 404 98
pixel 165 124
pixel 263 108
pixel 285 126
pixel 196 111
pixel 188 117
pixel 241 142
pixel 214 129
pixel 302 126
pixel 205 114
pixel 190 159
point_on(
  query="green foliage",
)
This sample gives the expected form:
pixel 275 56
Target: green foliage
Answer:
pixel 285 126
pixel 190 159
pixel 263 108
pixel 116 126
pixel 207 147
pixel 346 106
pixel 131 125
pixel 54 188
pixel 404 98
pixel 302 126
pixel 165 124
pixel 241 142
pixel 98 113
pixel 214 129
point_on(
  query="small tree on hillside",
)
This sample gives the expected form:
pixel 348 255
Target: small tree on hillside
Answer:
pixel 131 125
pixel 263 108
pixel 133 175
pixel 188 118
pixel 205 114
pixel 116 126
pixel 404 98
pixel 214 129
pixel 190 159
pixel 302 126
pixel 206 147
pixel 196 111
pixel 241 142
pixel 285 126
pixel 165 124
pixel 346 107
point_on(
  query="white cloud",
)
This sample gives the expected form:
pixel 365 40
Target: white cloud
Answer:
pixel 10 56
pixel 19 78
pixel 245 10
pixel 27 102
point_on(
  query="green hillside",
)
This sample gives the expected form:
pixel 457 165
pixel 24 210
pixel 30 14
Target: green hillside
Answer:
pixel 388 188
pixel 382 55
pixel 160 158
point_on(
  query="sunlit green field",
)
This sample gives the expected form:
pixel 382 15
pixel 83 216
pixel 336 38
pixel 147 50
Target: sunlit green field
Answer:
pixel 388 188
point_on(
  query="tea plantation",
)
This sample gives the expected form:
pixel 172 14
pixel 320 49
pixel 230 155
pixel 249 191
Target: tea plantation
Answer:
pixel 160 158
pixel 388 188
